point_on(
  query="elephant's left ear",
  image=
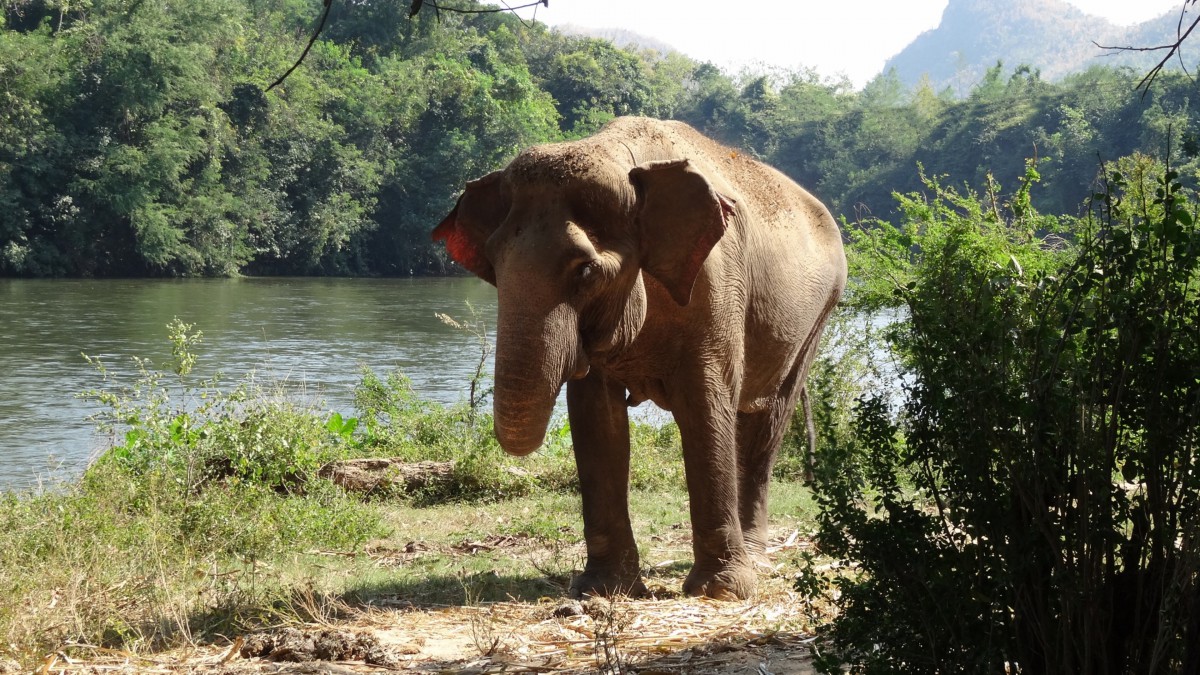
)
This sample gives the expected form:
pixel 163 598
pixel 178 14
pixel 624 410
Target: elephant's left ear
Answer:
pixel 475 217
pixel 680 218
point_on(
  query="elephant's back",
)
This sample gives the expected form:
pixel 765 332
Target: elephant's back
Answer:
pixel 784 232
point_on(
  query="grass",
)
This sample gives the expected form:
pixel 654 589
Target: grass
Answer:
pixel 90 576
pixel 207 521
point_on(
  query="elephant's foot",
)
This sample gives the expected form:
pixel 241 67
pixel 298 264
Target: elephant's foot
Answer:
pixel 607 585
pixel 727 581
pixel 756 548
pixel 606 582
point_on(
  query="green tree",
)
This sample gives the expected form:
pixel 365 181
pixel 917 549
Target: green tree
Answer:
pixel 32 68
pixel 593 81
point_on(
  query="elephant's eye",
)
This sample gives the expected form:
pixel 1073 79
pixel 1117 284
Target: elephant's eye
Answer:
pixel 589 272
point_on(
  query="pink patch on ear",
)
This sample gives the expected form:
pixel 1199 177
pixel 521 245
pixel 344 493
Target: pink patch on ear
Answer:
pixel 460 247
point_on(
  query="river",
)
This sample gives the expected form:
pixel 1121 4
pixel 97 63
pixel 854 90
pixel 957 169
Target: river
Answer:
pixel 310 334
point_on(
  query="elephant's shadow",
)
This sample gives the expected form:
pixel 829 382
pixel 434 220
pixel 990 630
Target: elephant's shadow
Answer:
pixel 457 589
pixel 468 589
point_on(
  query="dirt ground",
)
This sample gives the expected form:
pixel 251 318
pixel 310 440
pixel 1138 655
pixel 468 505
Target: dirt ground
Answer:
pixel 666 633
pixel 629 636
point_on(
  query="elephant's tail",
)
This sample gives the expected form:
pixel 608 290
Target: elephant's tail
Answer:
pixel 812 434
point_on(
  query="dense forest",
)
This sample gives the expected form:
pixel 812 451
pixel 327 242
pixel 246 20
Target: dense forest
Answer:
pixel 138 138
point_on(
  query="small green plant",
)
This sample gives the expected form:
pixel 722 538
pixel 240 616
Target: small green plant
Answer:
pixel 477 328
pixel 341 427
pixel 155 419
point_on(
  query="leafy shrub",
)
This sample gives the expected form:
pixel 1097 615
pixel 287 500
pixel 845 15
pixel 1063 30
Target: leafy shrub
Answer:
pixel 197 432
pixel 1033 504
pixel 396 422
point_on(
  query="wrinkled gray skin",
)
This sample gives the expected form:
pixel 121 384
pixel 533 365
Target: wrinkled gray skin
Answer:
pixel 650 263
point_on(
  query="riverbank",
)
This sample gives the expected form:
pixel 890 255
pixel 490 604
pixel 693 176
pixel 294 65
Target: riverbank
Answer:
pixel 207 526
pixel 477 588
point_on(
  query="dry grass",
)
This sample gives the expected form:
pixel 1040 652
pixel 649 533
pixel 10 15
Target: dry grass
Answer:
pixel 548 634
pixel 138 568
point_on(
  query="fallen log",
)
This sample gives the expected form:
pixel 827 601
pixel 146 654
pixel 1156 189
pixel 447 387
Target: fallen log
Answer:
pixel 374 474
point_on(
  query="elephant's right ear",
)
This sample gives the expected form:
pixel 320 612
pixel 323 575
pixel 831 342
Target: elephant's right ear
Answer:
pixel 479 211
pixel 680 219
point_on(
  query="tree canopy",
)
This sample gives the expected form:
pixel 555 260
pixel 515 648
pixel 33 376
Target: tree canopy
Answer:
pixel 138 139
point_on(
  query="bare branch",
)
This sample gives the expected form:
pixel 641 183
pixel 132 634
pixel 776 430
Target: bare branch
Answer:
pixel 490 10
pixel 1172 49
pixel 1136 49
pixel 1148 80
pixel 311 42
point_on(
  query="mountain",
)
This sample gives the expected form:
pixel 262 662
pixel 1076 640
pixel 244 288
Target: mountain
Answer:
pixel 619 37
pixel 1049 35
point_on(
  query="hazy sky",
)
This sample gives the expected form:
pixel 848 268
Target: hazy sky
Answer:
pixel 850 37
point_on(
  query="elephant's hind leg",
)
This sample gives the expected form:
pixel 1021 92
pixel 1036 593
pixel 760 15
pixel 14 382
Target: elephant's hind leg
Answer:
pixel 722 569
pixel 759 435
pixel 600 434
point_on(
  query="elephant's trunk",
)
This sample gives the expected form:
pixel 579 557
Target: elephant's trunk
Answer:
pixel 533 359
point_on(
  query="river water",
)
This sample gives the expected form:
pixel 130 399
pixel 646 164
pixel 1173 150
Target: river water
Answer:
pixel 310 334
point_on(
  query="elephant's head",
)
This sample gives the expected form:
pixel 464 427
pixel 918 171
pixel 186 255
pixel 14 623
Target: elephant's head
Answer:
pixel 564 233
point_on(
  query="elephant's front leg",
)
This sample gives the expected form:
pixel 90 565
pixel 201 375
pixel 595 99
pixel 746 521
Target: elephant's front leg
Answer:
pixel 600 434
pixel 723 567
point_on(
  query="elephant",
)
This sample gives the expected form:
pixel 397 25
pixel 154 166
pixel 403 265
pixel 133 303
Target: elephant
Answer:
pixel 648 262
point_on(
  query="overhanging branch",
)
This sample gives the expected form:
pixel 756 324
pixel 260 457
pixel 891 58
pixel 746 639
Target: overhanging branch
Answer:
pixel 1172 49
pixel 415 7
pixel 311 42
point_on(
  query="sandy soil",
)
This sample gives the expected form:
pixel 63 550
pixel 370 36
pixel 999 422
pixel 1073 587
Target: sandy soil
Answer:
pixel 662 634
pixel 627 636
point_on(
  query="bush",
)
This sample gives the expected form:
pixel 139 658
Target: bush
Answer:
pixel 1032 504
pixel 396 422
pixel 168 421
